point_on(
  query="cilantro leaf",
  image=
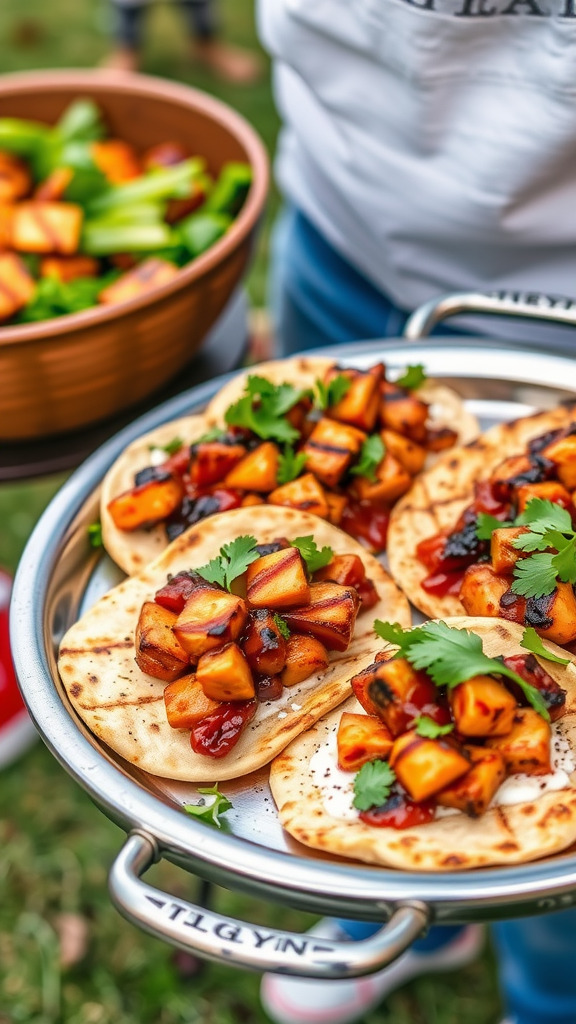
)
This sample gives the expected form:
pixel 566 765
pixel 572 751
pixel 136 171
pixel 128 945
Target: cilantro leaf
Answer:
pixel 486 525
pixel 542 515
pixel 213 434
pixel 413 378
pixel 173 446
pixel 531 642
pixel 371 455
pixel 314 558
pixel 392 632
pixel 210 810
pixel 333 392
pixel 95 535
pixel 233 560
pixel 565 561
pixel 290 465
pixel 430 729
pixel 282 627
pixel 534 576
pixel 263 410
pixel 372 785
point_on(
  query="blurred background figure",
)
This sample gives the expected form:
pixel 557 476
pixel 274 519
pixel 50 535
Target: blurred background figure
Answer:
pixel 207 47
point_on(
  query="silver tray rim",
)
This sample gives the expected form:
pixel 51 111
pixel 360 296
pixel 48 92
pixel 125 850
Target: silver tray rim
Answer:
pixel 314 884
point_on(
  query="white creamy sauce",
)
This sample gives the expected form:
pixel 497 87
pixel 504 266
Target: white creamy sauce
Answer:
pixel 337 787
pixel 157 456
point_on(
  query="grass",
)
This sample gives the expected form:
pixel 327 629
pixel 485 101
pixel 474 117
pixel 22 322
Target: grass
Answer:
pixel 55 846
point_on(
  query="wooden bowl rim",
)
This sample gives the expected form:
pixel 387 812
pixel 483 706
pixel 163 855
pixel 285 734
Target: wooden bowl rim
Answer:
pixel 23 82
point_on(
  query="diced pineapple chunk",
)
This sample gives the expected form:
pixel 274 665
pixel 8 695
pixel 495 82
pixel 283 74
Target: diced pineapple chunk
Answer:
pixel 359 406
pixel 561 608
pixel 403 413
pixel 263 643
pixel 6 214
pixel 330 616
pixel 186 703
pixel 423 766
pixel 526 748
pixel 482 589
pixel 345 569
pixel 502 551
pixel 361 739
pixel 277 580
pixel 336 505
pixel 504 479
pixel 158 652
pixel 483 707
pixel 142 279
pixel 305 656
pixel 563 453
pixel 392 481
pixel 399 693
pixel 16 285
pixel 549 490
pixel 257 471
pixel 409 454
pixel 117 160
pixel 210 619
pixel 146 504
pixel 305 493
pixel 68 268
pixel 330 450
pixel 252 499
pixel 360 683
pixel 47 227
pixel 15 178
pixel 225 674
pixel 473 792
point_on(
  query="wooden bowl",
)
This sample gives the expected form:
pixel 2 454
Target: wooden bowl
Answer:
pixel 65 373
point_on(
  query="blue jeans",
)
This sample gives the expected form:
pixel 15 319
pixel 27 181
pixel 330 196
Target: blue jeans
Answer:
pixel 317 298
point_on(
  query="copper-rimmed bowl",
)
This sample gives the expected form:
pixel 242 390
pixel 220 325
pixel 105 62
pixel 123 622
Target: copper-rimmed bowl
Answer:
pixel 65 373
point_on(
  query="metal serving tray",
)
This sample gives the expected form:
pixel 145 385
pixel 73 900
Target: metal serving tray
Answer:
pixel 60 577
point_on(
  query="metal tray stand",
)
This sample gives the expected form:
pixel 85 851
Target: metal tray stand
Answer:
pixel 60 577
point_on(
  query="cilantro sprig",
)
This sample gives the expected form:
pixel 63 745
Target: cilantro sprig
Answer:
pixel 210 810
pixel 171 447
pixel 332 392
pixel 531 642
pixel 95 535
pixel 427 727
pixel 212 434
pixel 372 785
pixel 314 557
pixel 412 378
pixel 282 627
pixel 263 410
pixel 290 465
pixel 233 560
pixel 371 455
pixel 486 524
pixel 451 656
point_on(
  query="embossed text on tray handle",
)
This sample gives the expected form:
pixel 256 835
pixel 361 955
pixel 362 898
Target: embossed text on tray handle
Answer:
pixel 224 939
pixel 532 305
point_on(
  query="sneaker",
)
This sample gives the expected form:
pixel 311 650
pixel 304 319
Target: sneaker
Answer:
pixel 310 1001
pixel 16 730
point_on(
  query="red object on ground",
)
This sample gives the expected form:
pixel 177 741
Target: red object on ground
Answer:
pixel 16 729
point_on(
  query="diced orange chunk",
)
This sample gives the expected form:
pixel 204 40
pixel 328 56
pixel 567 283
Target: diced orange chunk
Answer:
pixel 410 455
pixel 392 481
pixel 117 160
pixel 210 618
pixel 330 450
pixel 257 471
pixel 472 793
pixel 149 503
pixel 561 608
pixel 186 703
pixel 16 285
pixel 482 589
pixel 212 460
pixel 68 268
pixel 158 652
pixel 330 616
pixel 305 493
pixel 54 186
pixel 15 178
pixel 336 505
pixel 6 214
pixel 483 707
pixel 360 683
pixel 504 477
pixel 277 580
pixel 252 499
pixel 359 406
pixel 224 674
pixel 47 227
pixel 563 453
pixel 361 739
pixel 526 748
pixel 502 551
pixel 305 656
pixel 263 643
pixel 403 413
pixel 142 279
pixel 549 490
pixel 345 569
pixel 424 767
pixel 399 693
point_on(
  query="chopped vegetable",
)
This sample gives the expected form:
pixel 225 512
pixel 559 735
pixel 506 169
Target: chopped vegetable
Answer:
pixel 412 378
pixel 211 809
pixel 332 392
pixel 233 560
pixel 263 410
pixel 283 628
pixel 95 535
pixel 371 455
pixel 171 447
pixel 314 558
pixel 427 727
pixel 486 524
pixel 531 642
pixel 372 785
pixel 290 465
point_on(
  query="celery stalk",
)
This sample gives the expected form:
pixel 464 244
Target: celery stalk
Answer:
pixel 104 240
pixel 137 213
pixel 173 182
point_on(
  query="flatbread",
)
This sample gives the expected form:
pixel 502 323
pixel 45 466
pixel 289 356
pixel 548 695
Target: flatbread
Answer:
pixel 447 408
pixel 124 707
pixel 503 835
pixel 438 497
pixel 132 551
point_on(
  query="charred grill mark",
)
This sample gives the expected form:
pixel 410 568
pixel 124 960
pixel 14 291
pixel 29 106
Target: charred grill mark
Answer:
pixel 76 689
pixel 503 820
pixel 124 703
pixel 508 846
pixel 537 611
pixel 331 449
pixel 100 649
pixel 48 231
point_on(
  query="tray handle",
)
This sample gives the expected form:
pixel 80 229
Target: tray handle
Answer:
pixel 533 305
pixel 224 939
